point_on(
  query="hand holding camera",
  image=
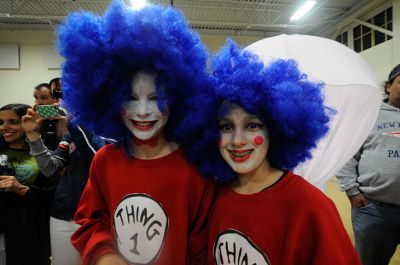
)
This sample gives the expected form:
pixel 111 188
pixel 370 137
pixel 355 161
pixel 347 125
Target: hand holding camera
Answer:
pixel 36 115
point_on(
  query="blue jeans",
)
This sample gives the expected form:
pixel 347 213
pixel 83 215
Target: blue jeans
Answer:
pixel 377 232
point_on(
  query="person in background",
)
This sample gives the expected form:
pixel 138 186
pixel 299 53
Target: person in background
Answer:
pixel 263 122
pixel 371 180
pixel 143 203
pixel 43 96
pixel 74 154
pixel 25 194
pixel 56 87
pixel 51 130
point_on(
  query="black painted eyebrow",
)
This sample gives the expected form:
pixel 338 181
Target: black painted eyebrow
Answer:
pixel 225 120
pixel 152 94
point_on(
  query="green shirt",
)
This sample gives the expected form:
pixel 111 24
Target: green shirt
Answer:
pixel 25 166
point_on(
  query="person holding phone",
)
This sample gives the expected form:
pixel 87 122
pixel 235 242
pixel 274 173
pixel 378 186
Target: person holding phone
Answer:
pixel 73 156
pixel 25 194
pixel 51 128
pixel 143 203
pixel 263 121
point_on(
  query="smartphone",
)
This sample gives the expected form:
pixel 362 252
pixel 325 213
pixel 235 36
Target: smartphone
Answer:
pixel 48 111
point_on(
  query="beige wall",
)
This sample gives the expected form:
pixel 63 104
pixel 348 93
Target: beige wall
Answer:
pixel 17 85
pixel 215 42
pixel 380 58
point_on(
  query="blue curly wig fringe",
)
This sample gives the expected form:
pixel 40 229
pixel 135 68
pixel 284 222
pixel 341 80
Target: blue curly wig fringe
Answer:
pixel 291 107
pixel 102 52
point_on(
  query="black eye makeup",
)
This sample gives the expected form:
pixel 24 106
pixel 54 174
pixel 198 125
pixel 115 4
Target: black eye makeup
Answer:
pixel 153 97
pixel 133 98
pixel 254 125
pixel 225 127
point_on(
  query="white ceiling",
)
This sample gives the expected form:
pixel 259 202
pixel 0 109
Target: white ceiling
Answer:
pixel 228 17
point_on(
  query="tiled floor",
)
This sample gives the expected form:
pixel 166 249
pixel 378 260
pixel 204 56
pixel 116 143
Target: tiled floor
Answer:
pixel 343 206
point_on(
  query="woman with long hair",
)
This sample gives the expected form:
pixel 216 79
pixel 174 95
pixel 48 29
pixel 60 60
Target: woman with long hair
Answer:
pixel 25 194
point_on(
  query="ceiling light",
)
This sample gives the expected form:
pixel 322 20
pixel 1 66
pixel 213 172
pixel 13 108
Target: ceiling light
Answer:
pixel 302 10
pixel 138 4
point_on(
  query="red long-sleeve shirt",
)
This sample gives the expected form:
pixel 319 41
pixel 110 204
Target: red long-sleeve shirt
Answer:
pixel 289 223
pixel 142 210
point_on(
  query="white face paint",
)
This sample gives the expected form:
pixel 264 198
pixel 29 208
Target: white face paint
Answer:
pixel 244 140
pixel 141 114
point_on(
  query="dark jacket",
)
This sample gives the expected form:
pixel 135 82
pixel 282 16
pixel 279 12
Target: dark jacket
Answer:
pixel 24 220
pixel 74 155
pixel 49 132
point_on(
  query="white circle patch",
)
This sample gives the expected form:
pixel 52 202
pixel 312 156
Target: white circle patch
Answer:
pixel 140 225
pixel 234 248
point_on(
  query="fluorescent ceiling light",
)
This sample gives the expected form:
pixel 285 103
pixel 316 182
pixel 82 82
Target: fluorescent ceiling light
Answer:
pixel 303 10
pixel 138 4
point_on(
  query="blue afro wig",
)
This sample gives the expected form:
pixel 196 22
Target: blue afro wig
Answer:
pixel 102 52
pixel 291 106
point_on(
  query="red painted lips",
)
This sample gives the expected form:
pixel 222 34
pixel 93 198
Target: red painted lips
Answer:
pixel 143 125
pixel 240 155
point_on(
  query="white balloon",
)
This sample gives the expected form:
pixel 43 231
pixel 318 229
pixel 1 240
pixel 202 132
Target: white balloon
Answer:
pixel 350 89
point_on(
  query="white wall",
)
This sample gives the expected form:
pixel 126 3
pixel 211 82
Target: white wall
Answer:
pixel 215 42
pixel 380 58
pixel 16 86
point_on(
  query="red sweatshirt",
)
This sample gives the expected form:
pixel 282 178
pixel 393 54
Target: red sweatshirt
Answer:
pixel 289 223
pixel 143 210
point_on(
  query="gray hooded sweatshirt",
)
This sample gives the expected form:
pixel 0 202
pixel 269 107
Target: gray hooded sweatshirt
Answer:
pixel 375 168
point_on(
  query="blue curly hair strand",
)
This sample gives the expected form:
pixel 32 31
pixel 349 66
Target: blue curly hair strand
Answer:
pixel 103 52
pixel 291 107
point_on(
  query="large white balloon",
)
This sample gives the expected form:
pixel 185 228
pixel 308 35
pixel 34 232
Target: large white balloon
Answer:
pixel 350 88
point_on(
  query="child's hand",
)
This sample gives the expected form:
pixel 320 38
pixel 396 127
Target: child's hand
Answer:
pixel 110 259
pixel 31 123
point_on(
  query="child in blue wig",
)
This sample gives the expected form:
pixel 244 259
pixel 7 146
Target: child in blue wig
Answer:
pixel 263 122
pixel 130 75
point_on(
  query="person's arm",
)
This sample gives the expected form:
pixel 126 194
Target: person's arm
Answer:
pixel 110 259
pixel 11 183
pixel 49 162
pixel 42 194
pixel 324 240
pixel 202 197
pixel 347 178
pixel 94 238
